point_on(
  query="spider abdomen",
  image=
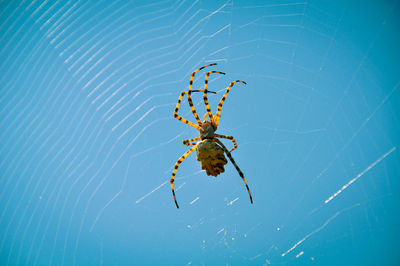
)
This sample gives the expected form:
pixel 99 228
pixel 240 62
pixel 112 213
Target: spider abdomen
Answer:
pixel 211 157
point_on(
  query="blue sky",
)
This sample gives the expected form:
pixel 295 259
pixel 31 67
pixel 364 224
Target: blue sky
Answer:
pixel 89 141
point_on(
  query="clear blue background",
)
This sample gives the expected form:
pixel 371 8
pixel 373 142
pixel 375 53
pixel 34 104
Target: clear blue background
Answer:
pixel 88 138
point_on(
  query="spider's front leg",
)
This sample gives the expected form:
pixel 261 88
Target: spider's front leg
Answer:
pixel 221 102
pixel 190 91
pixel 181 118
pixel 176 169
pixel 179 104
pixel 205 98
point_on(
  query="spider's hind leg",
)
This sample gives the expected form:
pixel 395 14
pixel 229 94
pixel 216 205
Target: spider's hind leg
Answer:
pixel 180 160
pixel 236 166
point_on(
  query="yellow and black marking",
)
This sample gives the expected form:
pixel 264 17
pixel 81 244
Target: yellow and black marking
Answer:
pixel 190 91
pixel 177 108
pixel 205 94
pixel 189 142
pixel 221 102
pixel 236 166
pixel 176 169
pixel 228 137
pixel 214 120
pixel 181 118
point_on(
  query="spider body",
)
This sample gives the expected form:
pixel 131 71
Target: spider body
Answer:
pixel 211 157
pixel 210 150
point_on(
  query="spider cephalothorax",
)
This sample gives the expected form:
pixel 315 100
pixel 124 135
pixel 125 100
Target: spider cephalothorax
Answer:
pixel 207 130
pixel 210 150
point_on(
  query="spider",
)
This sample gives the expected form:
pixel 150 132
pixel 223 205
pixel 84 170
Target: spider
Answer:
pixel 210 150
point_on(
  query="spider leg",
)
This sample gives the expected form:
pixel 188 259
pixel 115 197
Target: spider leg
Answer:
pixel 236 166
pixel 190 91
pixel 176 169
pixel 177 108
pixel 189 142
pixel 181 118
pixel 218 115
pixel 228 137
pixel 205 93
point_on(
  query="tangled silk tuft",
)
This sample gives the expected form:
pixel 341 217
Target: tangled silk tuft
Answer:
pixel 211 157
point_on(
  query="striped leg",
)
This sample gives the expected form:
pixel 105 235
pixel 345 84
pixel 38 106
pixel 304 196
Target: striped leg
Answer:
pixel 223 99
pixel 228 137
pixel 236 166
pixel 181 118
pixel 190 91
pixel 205 93
pixel 176 169
pixel 177 108
pixel 189 142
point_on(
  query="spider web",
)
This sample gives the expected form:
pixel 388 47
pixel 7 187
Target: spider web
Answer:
pixel 88 139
